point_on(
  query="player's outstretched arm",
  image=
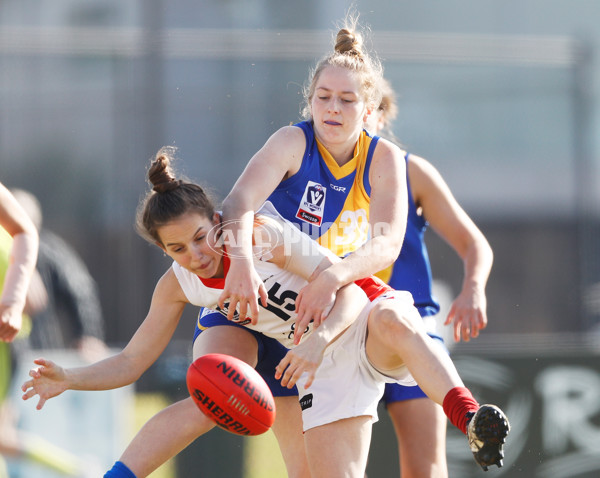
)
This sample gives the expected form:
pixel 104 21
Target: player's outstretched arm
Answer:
pixel 49 380
pixel 445 215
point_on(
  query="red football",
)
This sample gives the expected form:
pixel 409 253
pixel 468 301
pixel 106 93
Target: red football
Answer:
pixel 232 394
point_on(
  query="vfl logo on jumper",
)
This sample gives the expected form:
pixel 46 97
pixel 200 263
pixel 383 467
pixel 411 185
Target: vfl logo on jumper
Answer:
pixel 306 401
pixel 313 204
pixel 236 316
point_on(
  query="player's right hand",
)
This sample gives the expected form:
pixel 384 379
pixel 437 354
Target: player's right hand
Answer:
pixel 243 288
pixel 11 317
pixel 47 380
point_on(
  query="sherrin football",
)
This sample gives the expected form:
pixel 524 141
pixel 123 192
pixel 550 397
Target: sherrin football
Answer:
pixel 232 394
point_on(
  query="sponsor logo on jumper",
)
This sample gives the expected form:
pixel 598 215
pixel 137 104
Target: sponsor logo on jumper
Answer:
pixel 335 187
pixel 306 401
pixel 308 217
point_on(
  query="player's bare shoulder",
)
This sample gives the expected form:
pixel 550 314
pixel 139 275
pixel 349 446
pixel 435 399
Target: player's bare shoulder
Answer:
pixel 280 157
pixel 291 133
pixel 168 288
pixel 388 159
pixel 420 165
pixel 287 140
pixel 422 174
pixel 289 144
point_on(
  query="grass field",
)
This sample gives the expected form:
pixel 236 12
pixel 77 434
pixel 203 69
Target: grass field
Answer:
pixel 262 458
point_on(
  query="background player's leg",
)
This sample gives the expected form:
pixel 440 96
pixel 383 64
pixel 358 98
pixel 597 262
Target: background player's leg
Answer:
pixel 420 426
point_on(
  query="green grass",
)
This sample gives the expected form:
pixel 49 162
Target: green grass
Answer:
pixel 262 458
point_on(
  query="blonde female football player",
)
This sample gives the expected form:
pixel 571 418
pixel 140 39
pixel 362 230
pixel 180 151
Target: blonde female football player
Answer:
pixel 342 186
pixel 340 366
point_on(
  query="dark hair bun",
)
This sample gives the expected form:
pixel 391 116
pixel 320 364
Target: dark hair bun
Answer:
pixel 161 174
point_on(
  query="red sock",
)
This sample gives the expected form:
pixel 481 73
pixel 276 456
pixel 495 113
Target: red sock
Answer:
pixel 457 403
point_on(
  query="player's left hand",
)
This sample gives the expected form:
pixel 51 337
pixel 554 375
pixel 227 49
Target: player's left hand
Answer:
pixel 11 318
pixel 468 314
pixel 305 358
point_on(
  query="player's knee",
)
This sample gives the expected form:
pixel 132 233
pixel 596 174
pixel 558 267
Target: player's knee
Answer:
pixel 196 423
pixel 391 320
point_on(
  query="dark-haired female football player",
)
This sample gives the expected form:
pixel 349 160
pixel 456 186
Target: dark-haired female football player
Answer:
pixel 372 335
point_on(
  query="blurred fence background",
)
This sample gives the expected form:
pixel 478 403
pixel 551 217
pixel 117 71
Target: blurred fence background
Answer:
pixel 501 96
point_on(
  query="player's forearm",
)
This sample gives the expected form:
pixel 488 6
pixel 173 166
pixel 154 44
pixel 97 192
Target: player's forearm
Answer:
pixel 237 228
pixel 23 259
pixel 113 372
pixel 477 263
pixel 350 301
pixel 374 256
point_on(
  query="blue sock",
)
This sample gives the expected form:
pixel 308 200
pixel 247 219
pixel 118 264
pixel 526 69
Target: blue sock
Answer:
pixel 119 470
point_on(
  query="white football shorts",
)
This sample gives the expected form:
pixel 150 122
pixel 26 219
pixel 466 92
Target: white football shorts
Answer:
pixel 346 384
